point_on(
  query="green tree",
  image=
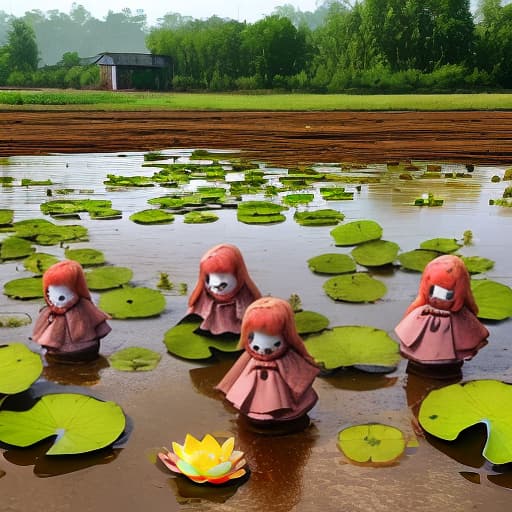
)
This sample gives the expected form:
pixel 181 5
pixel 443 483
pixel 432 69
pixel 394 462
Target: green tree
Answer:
pixel 22 47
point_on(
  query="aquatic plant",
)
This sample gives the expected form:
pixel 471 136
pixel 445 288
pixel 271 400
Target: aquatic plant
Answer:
pixel 494 300
pixel 428 200
pixel 24 288
pixel 417 259
pixel 375 253
pixel 106 278
pixel 13 248
pixel 199 217
pixel 356 232
pixel 19 368
pixel 6 217
pixel 156 216
pixel 132 302
pixel 357 287
pixel 443 245
pixel 260 212
pixel 323 217
pixel 135 359
pixel 332 263
pixel 39 262
pixel 86 257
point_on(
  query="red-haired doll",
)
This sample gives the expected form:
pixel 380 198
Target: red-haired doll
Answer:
pixel 223 290
pixel 440 326
pixel 70 324
pixel 272 380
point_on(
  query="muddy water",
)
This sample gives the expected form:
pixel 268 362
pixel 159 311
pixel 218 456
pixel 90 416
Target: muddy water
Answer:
pixel 303 471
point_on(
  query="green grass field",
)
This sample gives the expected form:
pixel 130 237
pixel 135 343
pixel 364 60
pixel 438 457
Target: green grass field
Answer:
pixel 104 100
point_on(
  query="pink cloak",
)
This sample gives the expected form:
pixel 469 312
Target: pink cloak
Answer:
pixel 275 390
pixel 430 335
pixel 79 328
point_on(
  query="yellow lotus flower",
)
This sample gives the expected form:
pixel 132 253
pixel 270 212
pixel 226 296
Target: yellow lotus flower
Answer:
pixel 205 460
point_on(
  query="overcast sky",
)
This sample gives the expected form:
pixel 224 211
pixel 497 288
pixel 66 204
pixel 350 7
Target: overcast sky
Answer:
pixel 249 10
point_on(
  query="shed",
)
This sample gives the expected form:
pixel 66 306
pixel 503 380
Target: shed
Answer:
pixel 133 70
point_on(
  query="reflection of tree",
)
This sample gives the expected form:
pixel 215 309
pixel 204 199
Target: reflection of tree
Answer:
pixel 78 374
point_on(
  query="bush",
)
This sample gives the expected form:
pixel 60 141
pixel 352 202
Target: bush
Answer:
pixel 183 83
pixel 249 83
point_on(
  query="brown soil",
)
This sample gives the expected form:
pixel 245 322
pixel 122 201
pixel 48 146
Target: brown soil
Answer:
pixel 281 137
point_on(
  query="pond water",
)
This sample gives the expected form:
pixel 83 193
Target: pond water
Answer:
pixel 302 471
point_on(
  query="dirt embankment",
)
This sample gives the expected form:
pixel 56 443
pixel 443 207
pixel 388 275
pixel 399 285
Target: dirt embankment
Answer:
pixel 288 138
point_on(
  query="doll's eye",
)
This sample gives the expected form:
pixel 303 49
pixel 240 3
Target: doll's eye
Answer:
pixel 207 279
pixel 250 336
pixel 255 348
pixel 277 344
pixel 62 298
pixel 449 295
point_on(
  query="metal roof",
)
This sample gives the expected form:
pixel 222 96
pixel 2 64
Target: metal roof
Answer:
pixel 147 60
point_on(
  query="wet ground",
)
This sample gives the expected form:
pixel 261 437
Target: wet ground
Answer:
pixel 303 471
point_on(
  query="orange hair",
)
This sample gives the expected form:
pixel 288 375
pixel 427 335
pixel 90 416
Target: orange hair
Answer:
pixel 449 272
pixel 223 258
pixel 275 317
pixel 68 273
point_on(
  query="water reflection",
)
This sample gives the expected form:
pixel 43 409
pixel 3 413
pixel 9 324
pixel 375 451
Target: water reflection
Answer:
pixel 357 380
pixel 85 373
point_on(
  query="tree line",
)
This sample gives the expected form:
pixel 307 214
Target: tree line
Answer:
pixel 368 45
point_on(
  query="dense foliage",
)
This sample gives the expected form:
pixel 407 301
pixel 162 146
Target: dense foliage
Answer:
pixel 369 45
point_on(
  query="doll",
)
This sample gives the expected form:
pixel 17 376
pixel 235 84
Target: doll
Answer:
pixel 70 325
pixel 440 327
pixel 223 290
pixel 272 380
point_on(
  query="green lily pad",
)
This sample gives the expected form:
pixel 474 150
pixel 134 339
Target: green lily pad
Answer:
pixel 132 302
pixel 168 202
pixel 72 206
pixel 358 287
pixel 135 359
pixel 324 217
pixel 295 199
pixel 477 264
pixel 30 228
pixel 260 212
pixel 448 411
pixel 444 245
pixel 375 253
pixel 81 423
pixel 105 213
pixel 373 444
pixel 417 260
pixel 68 233
pixel 351 345
pixel 6 217
pixel 19 368
pixel 199 218
pixel 182 341
pixel 39 262
pixel 13 248
pixel 308 322
pixel 86 257
pixel 356 232
pixel 24 288
pixel 106 278
pixel 332 263
pixel 128 181
pixel 336 194
pixel 156 216
pixel 494 299
pixel 13 320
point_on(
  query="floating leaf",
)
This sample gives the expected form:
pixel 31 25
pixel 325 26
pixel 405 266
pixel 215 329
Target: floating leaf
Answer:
pixel 332 263
pixel 135 359
pixel 295 199
pixel 353 345
pixel 71 206
pixel 374 443
pixel 168 202
pixel 106 278
pixel 199 218
pixel 132 302
pixel 494 299
pixel 444 245
pixel 128 181
pixel 308 322
pixel 86 257
pixel 24 288
pixel 358 287
pixel 152 217
pixel 81 424
pixel 19 368
pixel 476 264
pixel 356 232
pixel 447 411
pixel 375 253
pixel 324 217
pixel 417 260
pixel 39 262
pixel 182 341
pixel 260 212
pixel 13 248
pixel 6 217
pixel 336 194
pixel 12 320
pixel 105 213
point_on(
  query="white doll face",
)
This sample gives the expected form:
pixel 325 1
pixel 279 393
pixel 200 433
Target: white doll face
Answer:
pixel 441 297
pixel 266 345
pixel 220 283
pixel 61 296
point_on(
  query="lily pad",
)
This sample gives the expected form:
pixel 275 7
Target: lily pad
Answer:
pixel 106 278
pixel 324 217
pixel 39 262
pixel 336 194
pixel 494 299
pixel 13 248
pixel 356 232
pixel 128 181
pixel 182 340
pixel 332 263
pixel 352 345
pixel 358 287
pixel 167 202
pixel 68 233
pixel 105 213
pixel 448 411
pixel 296 199
pixel 477 264
pixel 80 423
pixel 308 322
pixel 19 368
pixel 24 288
pixel 72 206
pixel 199 218
pixel 373 444
pixel 155 216
pixel 260 212
pixel 135 359
pixel 86 257
pixel 417 260
pixel 6 217
pixel 375 253
pixel 443 245
pixel 132 302
pixel 13 320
